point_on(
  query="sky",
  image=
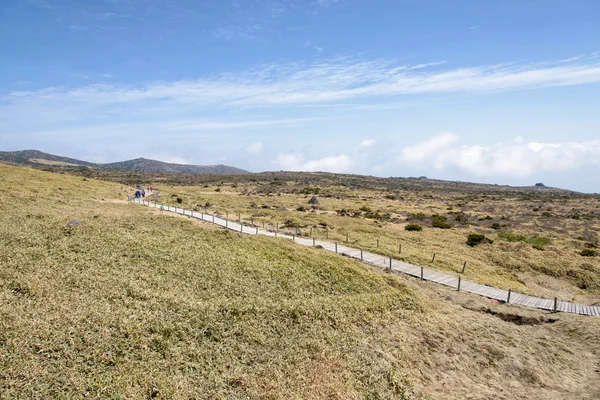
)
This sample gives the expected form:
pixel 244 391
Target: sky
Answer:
pixel 503 91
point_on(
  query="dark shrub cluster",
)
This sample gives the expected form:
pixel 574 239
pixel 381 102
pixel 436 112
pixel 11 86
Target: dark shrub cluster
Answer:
pixel 475 238
pixel 439 221
pixel 413 227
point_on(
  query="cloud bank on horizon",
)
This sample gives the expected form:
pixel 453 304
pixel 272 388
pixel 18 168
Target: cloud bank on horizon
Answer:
pixel 306 100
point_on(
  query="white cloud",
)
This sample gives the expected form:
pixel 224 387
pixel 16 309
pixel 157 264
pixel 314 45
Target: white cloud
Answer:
pixel 323 82
pixel 365 144
pixel 296 162
pixel 515 158
pixel 255 148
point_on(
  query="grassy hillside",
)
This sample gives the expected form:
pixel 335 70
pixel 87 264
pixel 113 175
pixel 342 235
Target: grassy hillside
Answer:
pixel 103 299
pixel 538 236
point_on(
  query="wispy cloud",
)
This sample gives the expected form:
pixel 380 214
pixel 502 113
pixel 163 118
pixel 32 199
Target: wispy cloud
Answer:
pixel 324 82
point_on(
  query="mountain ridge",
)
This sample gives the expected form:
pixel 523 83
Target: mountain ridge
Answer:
pixel 38 159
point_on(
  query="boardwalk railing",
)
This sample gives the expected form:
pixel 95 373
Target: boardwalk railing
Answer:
pixel 391 264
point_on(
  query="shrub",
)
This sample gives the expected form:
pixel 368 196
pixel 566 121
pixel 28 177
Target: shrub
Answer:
pixel 537 242
pixel 418 216
pixel 439 221
pixel 234 186
pixel 588 253
pixel 365 209
pixel 495 226
pixel 390 197
pixel 179 200
pixel 475 238
pixel 217 189
pixel 300 208
pixel 591 245
pixel 413 227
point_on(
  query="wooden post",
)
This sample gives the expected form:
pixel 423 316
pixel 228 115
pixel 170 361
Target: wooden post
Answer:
pixel 422 270
pixel 226 214
pixel 213 218
pixel 433 259
pixel 346 237
pixel 400 248
pixel 311 232
pixel 241 227
pixel 313 241
pixel 277 228
pixel 336 247
pixel 263 225
pixel 508 297
pixel 257 230
pixel 458 287
pixel 239 218
pixel 296 229
pixel 377 242
pixel 390 264
pixel 464 266
pixel 252 221
pixel 226 223
pixel 293 238
pixel 555 304
pixel 361 255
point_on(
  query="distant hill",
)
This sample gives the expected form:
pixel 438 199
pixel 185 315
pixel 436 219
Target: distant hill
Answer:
pixel 39 159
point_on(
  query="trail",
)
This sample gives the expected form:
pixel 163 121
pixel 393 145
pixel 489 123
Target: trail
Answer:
pixel 394 265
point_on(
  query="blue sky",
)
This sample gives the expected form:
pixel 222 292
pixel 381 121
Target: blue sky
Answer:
pixel 503 91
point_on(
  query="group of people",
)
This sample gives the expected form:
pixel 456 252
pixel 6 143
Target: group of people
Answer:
pixel 141 193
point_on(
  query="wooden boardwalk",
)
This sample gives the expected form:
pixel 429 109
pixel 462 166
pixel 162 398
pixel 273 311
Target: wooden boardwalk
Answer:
pixel 394 265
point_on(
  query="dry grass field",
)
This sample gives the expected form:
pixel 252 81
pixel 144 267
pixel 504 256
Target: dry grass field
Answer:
pixel 104 299
pixel 538 235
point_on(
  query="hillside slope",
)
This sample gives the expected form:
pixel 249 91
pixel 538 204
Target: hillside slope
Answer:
pixel 100 298
pixel 37 158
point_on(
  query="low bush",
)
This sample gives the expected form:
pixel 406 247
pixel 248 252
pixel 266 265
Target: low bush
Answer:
pixel 475 238
pixel 537 242
pixel 588 253
pixel 179 200
pixel 439 221
pixel 300 208
pixel 217 189
pixel 418 216
pixel 413 227
pixel 495 226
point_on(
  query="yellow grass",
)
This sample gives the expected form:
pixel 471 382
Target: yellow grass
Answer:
pixel 134 304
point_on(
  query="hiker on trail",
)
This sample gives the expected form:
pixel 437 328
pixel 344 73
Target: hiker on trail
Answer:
pixel 143 193
pixel 137 194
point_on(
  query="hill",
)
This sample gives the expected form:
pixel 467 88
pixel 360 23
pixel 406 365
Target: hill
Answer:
pixel 40 159
pixel 104 299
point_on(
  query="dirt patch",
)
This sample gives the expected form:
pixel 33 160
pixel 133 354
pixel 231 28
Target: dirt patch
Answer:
pixel 518 319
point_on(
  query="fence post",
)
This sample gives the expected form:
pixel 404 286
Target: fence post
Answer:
pixel 400 248
pixel 226 223
pixel 361 255
pixel 296 229
pixel 433 259
pixel 390 264
pixel 252 221
pixel 313 241
pixel 377 242
pixel 311 232
pixel 464 266
pixel 346 237
pixel 257 230
pixel 555 304
pixel 293 238
pixel 508 297
pixel 458 287
pixel 239 218
pixel 422 269
pixel 241 227
pixel 213 218
pixel 263 224
pixel 336 247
